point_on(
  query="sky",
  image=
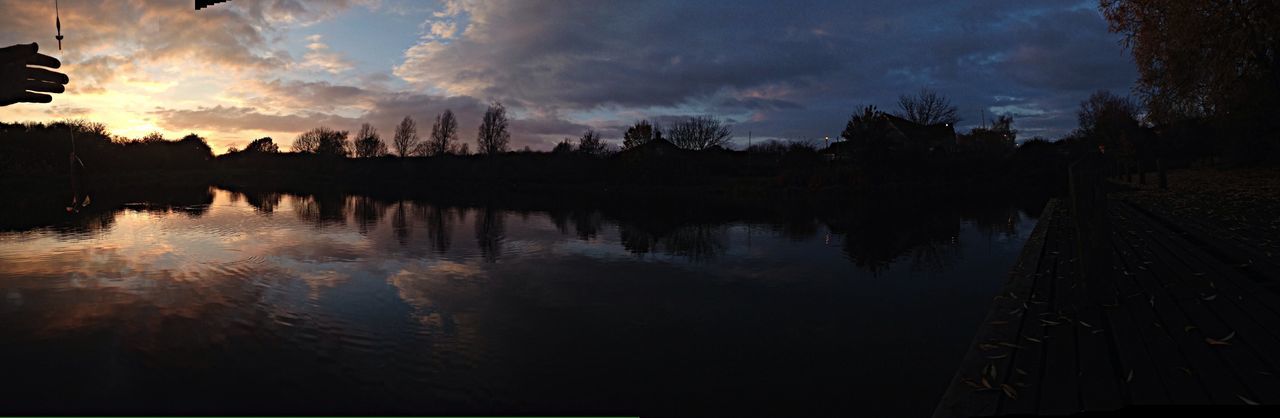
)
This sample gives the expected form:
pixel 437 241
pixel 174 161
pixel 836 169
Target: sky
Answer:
pixel 790 70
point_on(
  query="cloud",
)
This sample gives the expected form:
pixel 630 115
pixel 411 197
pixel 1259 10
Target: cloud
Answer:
pixel 814 58
pixel 775 69
pixel 224 118
pixel 318 56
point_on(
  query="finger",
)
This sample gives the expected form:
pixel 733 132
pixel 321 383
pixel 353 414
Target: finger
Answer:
pixel 16 52
pixel 44 61
pixel 47 75
pixel 35 98
pixel 36 85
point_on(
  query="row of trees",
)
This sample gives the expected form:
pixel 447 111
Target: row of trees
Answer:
pixel 492 137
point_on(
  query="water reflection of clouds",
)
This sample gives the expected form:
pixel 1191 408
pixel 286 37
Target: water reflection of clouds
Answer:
pixel 423 251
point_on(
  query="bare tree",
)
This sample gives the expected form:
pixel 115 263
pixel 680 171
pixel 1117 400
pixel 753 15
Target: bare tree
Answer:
pixel 493 137
pixel 590 143
pixel 406 138
pixel 927 108
pixel 1111 121
pixel 368 143
pixel 443 133
pixel 323 141
pixel 699 133
pixel 638 134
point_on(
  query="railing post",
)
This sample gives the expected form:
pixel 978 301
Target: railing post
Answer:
pixel 1089 214
pixel 1164 179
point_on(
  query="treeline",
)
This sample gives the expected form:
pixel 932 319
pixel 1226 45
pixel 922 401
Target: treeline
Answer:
pixel 37 150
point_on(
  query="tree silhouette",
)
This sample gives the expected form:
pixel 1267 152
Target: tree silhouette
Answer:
pixel 153 137
pixel 406 137
pixel 927 108
pixel 699 133
pixel 1109 120
pixel 322 141
pixel 443 132
pixel 368 143
pixel 861 124
pixel 590 143
pixel 564 147
pixel 262 145
pixel 1202 58
pixel 492 137
pixel 638 134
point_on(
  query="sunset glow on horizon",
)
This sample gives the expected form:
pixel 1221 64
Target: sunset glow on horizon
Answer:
pixel 245 69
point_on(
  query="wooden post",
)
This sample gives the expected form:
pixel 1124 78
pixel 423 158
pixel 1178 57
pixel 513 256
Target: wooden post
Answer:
pixel 1089 214
pixel 1164 179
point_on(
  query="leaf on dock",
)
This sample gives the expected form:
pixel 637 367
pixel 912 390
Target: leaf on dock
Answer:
pixel 1034 340
pixel 1210 297
pixel 1223 341
pixel 1247 401
pixel 1013 394
pixel 1130 377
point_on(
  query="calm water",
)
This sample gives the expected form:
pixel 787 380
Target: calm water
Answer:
pixel 268 302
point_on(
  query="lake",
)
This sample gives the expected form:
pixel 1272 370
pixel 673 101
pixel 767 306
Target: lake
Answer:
pixel 214 301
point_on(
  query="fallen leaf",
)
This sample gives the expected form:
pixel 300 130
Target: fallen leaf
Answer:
pixel 1185 370
pixel 1210 297
pixel 1086 324
pixel 1189 328
pixel 1020 371
pixel 1247 401
pixel 1013 394
pixel 985 383
pixel 997 357
pixel 1034 340
pixel 1130 377
pixel 985 346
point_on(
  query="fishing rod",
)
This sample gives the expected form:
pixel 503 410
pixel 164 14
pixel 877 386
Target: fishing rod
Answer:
pixel 57 21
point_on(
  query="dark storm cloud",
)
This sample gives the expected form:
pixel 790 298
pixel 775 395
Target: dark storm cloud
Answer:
pixel 784 68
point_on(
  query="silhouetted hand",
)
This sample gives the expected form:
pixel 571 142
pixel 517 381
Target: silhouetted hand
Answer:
pixel 21 82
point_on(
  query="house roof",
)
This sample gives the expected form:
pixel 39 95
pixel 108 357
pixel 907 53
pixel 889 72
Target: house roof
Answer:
pixel 922 133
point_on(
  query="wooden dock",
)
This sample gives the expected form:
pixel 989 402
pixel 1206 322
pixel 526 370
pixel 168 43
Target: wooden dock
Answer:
pixel 1178 318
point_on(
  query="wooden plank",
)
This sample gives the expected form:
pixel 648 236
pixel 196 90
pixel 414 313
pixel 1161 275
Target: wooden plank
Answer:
pixel 1100 388
pixel 1223 386
pixel 1060 390
pixel 968 394
pixel 1028 365
pixel 1236 336
pixel 1167 360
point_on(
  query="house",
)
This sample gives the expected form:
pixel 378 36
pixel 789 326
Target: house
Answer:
pixel 895 134
pixel 655 148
